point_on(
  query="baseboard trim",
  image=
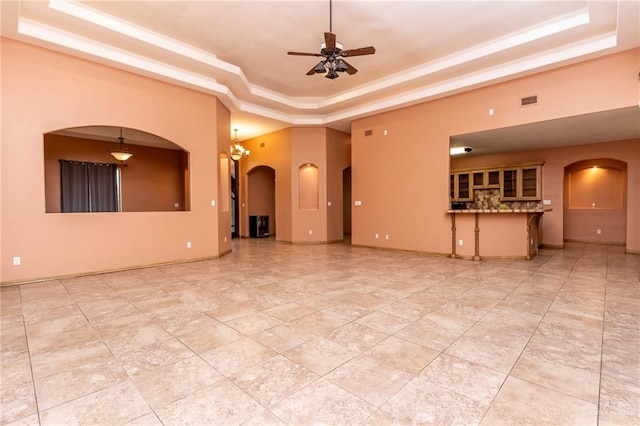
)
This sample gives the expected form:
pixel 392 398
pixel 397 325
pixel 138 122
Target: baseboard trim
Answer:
pixel 107 271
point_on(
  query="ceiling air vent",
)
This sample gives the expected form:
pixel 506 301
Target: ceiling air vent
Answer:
pixel 368 132
pixel 529 100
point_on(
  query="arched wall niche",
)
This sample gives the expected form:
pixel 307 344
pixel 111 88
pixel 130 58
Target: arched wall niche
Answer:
pixel 595 201
pixel 154 179
pixel 308 187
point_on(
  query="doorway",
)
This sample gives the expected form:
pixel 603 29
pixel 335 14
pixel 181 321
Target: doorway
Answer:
pixel 261 195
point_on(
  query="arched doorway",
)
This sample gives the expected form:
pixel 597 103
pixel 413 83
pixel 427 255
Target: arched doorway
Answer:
pixel 595 201
pixel 261 195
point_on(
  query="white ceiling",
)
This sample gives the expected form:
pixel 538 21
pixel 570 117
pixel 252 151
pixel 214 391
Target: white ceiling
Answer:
pixel 236 50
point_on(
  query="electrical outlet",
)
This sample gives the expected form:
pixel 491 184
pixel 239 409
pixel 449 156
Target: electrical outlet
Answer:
pixel 225 239
pixel 598 231
pixel 329 203
pixel 213 203
pixel 358 203
pixel 16 261
pixel 386 236
pixel 310 232
pixel 188 244
pixel 460 242
pixel 377 236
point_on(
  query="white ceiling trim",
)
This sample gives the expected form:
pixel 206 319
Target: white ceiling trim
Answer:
pixel 182 76
pixel 537 32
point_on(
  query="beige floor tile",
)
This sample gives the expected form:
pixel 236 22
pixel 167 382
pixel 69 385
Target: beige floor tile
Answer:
pixel 283 337
pixel 383 322
pixel 115 405
pixel 231 359
pixel 369 379
pixel 289 311
pixel 32 420
pixel 253 323
pixel 274 380
pixel 221 403
pixel 569 318
pixel 323 403
pixel 321 355
pixel 575 381
pixel 471 380
pixel 436 330
pixel 206 339
pixel 521 402
pixel 68 385
pixel 320 322
pixel 356 337
pixel 17 401
pixel 149 419
pixel 166 384
pixel 621 396
pixel 420 402
pixel 145 359
pixel 402 354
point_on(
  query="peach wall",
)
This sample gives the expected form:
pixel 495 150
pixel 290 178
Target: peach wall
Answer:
pixel 152 180
pixel 272 150
pixel 402 177
pixel 49 91
pixel 553 175
pixel 308 145
pixel 222 233
pixel 338 159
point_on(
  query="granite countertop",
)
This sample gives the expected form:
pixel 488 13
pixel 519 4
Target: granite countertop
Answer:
pixel 536 210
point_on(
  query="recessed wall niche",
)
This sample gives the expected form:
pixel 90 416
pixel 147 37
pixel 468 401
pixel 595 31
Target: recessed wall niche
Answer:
pixel 596 185
pixel 156 178
pixel 308 187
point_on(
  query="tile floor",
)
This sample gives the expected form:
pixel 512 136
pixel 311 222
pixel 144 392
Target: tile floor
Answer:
pixel 330 335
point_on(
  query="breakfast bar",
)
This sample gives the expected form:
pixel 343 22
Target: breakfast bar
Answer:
pixel 495 233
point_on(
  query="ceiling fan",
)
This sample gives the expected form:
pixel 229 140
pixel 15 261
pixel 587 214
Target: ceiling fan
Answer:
pixel 332 52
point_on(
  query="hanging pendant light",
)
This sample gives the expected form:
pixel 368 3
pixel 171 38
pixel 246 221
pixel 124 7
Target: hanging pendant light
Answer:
pixel 121 153
pixel 237 151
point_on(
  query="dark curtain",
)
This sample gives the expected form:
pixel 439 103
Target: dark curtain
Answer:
pixel 88 187
pixel 102 188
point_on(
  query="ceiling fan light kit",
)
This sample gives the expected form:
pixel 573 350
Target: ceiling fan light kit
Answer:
pixel 333 52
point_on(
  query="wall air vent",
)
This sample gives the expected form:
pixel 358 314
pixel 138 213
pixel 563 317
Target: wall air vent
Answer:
pixel 368 132
pixel 529 100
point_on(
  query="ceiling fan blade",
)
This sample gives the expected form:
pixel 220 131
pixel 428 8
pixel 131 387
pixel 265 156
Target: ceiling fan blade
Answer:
pixel 303 54
pixel 359 52
pixel 330 41
pixel 312 71
pixel 350 69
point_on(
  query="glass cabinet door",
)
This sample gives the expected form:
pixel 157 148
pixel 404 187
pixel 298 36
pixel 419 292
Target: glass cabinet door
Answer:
pixel 530 183
pixel 509 183
pixel 464 186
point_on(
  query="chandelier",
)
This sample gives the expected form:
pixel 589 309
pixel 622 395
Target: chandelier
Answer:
pixel 237 151
pixel 121 153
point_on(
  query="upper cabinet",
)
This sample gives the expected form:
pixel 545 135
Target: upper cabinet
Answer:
pixel 516 182
pixel 460 186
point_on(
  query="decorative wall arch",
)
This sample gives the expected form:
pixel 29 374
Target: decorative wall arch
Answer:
pixel 308 187
pixel 261 194
pixel 595 201
pixel 156 178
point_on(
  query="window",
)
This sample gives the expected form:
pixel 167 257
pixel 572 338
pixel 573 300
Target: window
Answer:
pixel 89 187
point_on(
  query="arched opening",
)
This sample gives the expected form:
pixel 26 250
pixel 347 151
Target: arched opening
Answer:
pixel 155 178
pixel 595 201
pixel 261 196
